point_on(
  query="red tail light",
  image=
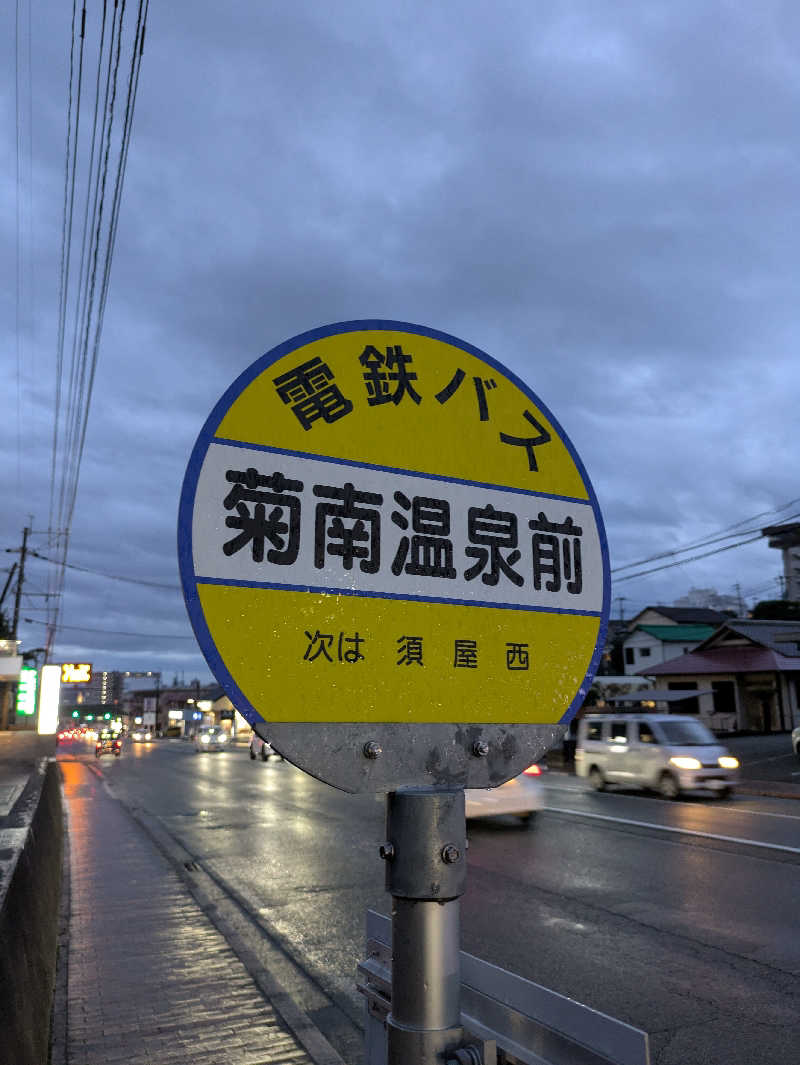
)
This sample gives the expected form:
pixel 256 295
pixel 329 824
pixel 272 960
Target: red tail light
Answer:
pixel 533 771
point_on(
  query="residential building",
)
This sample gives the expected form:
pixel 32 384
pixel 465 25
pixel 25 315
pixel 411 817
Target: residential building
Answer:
pixel 648 645
pixel 745 676
pixel 659 633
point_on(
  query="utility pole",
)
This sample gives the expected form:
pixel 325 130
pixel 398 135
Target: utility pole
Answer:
pixel 20 580
pixel 738 589
pixel 621 600
pixel 9 698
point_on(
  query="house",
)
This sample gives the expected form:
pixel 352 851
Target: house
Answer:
pixel 649 645
pixel 658 633
pixel 752 669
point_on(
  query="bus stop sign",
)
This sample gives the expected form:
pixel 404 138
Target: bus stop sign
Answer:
pixel 393 559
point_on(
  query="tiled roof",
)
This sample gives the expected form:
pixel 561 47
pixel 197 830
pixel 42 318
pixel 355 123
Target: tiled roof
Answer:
pixel 678 633
pixel 782 637
pixel 689 615
pixel 724 660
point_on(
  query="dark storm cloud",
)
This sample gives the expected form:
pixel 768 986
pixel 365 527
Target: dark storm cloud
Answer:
pixel 602 196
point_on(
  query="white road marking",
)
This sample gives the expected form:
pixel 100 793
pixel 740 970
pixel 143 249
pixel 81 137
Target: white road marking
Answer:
pixel 735 809
pixel 671 828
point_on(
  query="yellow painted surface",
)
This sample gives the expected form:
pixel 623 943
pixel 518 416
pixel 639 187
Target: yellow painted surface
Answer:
pixel 430 437
pixel 261 635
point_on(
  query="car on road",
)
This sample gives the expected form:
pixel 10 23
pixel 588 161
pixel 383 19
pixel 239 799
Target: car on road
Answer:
pixel 667 753
pixel 108 744
pixel 142 735
pixel 796 741
pixel 210 738
pixel 522 796
pixel 261 748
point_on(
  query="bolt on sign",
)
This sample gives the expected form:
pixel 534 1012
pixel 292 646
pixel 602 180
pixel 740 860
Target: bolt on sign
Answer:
pixel 393 559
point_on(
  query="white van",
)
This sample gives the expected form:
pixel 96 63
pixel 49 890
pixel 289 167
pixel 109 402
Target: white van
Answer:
pixel 665 752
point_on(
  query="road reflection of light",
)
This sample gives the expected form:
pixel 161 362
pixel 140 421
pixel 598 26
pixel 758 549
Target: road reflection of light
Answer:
pixel 565 924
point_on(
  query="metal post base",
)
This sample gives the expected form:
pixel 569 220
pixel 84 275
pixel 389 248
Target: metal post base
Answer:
pixel 425 873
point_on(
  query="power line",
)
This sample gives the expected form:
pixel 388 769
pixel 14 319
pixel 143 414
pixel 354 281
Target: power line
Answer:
pixel 712 538
pixel 112 632
pixel 86 297
pixel 683 561
pixel 109 576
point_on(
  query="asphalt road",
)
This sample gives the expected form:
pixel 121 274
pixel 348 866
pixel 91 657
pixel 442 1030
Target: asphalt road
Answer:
pixel 680 918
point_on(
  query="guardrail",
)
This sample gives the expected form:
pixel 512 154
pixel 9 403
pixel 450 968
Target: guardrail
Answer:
pixel 528 1023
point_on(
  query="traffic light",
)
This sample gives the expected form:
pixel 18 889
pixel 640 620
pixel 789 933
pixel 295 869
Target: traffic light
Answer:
pixel 76 713
pixel 106 717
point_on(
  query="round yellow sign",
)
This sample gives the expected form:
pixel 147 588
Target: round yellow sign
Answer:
pixel 380 523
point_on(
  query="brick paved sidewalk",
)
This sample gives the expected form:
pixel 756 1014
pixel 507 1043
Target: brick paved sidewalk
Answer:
pixel 149 980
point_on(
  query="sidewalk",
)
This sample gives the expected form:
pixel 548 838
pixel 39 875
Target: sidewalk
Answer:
pixel 144 976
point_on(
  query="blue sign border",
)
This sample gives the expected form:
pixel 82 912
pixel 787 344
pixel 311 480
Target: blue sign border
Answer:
pixel 207 435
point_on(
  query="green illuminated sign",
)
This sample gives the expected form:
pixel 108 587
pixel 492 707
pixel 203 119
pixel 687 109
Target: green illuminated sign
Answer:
pixel 26 691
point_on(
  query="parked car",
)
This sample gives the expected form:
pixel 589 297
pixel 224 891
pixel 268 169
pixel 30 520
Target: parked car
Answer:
pixel 261 748
pixel 796 741
pixel 665 752
pixel 211 738
pixel 522 796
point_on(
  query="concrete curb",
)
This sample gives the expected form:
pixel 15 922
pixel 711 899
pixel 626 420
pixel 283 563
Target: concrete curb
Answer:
pixel 59 1028
pixel 29 910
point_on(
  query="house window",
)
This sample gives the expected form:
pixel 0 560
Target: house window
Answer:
pixel 644 652
pixel 628 656
pixel 724 696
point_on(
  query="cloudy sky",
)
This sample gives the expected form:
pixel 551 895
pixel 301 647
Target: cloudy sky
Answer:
pixel 605 197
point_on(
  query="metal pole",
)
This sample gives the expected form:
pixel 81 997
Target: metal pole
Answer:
pixel 425 873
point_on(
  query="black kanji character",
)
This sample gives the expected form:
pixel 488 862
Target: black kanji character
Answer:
pixel 529 443
pixel 465 654
pixel 377 379
pixel 309 391
pixel 281 527
pixel 495 530
pixel 557 552
pixel 517 656
pixel 431 550
pixel 323 642
pixel 342 528
pixel 410 651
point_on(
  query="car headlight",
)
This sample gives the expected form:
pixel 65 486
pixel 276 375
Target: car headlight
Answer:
pixel 727 761
pixel 222 739
pixel 684 762
pixel 204 739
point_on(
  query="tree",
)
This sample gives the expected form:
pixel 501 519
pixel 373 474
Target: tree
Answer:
pixel 777 610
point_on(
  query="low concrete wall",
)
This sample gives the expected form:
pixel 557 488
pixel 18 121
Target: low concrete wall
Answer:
pixel 31 841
